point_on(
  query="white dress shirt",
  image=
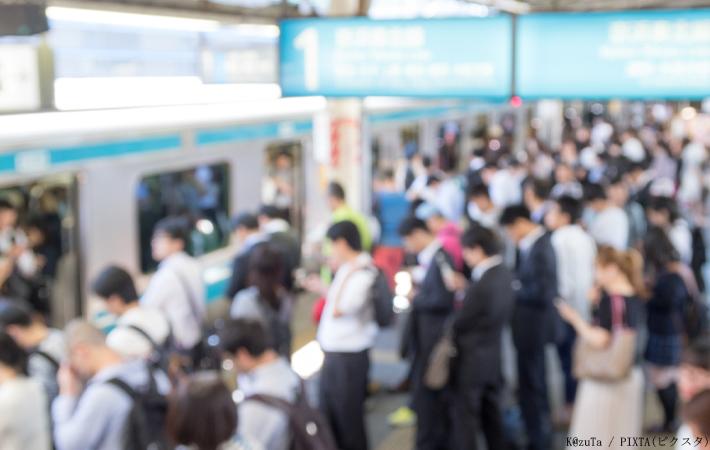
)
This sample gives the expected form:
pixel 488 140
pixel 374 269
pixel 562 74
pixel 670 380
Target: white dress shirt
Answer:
pixel 168 292
pixel 682 240
pixel 611 227
pixel 130 343
pixel 482 267
pixel 506 189
pixel 266 424
pixel 24 422
pixel 276 226
pixel 355 329
pixel 424 259
pixel 576 252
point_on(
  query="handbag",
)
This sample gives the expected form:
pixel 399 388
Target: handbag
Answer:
pixel 438 370
pixel 614 362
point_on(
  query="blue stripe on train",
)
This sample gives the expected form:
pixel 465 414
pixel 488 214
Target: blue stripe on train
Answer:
pixel 241 133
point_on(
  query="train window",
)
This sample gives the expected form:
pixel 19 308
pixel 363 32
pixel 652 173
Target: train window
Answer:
pixel 201 194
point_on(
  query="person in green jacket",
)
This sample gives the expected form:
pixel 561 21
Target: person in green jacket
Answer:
pixel 343 212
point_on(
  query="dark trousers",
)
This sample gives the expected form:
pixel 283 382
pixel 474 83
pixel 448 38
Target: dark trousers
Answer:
pixel 343 388
pixel 533 396
pixel 432 408
pixel 564 349
pixel 478 408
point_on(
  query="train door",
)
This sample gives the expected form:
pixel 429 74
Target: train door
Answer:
pixel 282 185
pixel 48 273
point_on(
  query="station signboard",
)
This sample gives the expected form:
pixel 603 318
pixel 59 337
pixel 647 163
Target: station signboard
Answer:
pixel 626 55
pixel 357 57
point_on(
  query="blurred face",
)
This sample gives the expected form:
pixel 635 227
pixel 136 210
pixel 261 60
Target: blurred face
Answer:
pixel 35 237
pixel 415 242
pixel 339 250
pixel 555 218
pixel 605 275
pixel 618 194
pixel 242 362
pixel 435 222
pixel 8 218
pixel 283 162
pixel 658 218
pixel 163 245
pixel 692 380
pixel 474 256
pixel 80 361
pixel 568 152
pixel 333 202
pixel 517 230
pixel 563 174
pixel 487 175
pixel 115 304
pixel 482 202
pixel 529 197
pixel 241 233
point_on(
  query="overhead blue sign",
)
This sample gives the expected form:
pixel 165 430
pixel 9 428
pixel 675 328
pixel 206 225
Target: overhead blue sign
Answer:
pixel 416 58
pixel 628 55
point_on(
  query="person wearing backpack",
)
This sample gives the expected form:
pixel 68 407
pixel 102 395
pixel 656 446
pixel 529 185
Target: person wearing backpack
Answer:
pixel 432 305
pixel 177 288
pixel 273 392
pixel 44 345
pixel 265 300
pixel 103 416
pixel 346 333
pixel 138 330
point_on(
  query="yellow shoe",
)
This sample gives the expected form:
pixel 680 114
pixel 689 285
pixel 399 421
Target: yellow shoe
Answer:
pixel 403 417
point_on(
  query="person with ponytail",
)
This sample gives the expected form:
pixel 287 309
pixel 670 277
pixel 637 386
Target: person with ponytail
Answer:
pixel 665 321
pixel 610 408
pixel 24 419
pixel 265 300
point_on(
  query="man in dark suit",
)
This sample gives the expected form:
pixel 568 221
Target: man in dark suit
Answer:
pixel 432 305
pixel 534 319
pixel 245 228
pixel 487 308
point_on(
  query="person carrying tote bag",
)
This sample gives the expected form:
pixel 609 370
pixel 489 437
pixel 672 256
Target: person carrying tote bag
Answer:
pixel 609 398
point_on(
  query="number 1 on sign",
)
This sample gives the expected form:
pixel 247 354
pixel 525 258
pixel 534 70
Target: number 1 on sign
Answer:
pixel 307 41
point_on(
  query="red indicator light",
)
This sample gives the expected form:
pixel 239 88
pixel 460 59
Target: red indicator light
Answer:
pixel 516 102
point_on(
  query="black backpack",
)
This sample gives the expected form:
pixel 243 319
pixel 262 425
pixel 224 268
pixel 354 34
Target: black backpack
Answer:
pixel 309 429
pixel 382 298
pixel 146 421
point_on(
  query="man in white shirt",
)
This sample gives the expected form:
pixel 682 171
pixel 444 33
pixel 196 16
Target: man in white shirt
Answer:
pixel 576 252
pixel 506 185
pixel 115 287
pixel 176 288
pixel 261 371
pixel 610 225
pixel 346 333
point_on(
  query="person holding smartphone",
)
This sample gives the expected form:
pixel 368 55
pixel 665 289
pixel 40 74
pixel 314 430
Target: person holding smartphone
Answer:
pixel 431 307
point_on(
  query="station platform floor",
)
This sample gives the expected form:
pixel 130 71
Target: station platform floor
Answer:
pixel 388 370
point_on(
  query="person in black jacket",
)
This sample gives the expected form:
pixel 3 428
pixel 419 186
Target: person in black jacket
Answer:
pixel 279 233
pixel 665 321
pixel 534 319
pixel 487 308
pixel 432 305
pixel 245 227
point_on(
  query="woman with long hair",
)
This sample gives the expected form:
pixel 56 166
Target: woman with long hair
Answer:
pixel 265 300
pixel 24 419
pixel 606 409
pixel 203 416
pixel 665 320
